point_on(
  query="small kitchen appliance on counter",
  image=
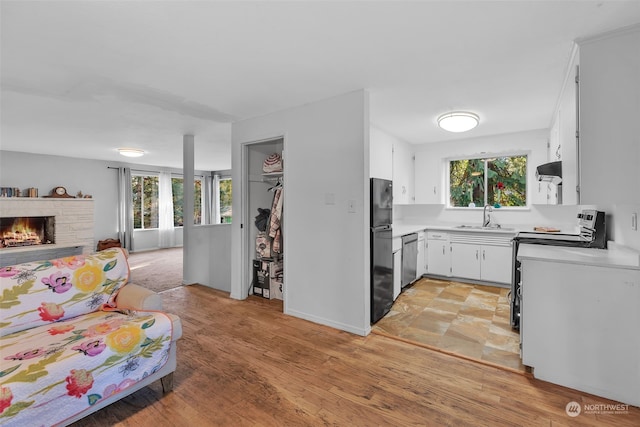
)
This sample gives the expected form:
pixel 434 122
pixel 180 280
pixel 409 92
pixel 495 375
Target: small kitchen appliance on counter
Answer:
pixel 593 234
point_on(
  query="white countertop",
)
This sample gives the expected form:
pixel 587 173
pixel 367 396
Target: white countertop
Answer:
pixel 616 256
pixel 402 229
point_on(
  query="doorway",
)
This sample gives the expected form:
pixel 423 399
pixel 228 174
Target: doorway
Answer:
pixel 263 233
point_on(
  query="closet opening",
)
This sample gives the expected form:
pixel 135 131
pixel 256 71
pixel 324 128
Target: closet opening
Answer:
pixel 264 230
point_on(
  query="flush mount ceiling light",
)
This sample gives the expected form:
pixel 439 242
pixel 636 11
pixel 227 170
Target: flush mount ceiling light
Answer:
pixel 458 121
pixel 131 152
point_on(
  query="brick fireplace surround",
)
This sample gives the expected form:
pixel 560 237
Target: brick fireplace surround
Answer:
pixel 73 222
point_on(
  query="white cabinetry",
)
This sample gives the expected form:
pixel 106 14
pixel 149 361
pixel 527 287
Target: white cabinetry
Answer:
pixel 380 155
pixel 438 253
pixel 496 263
pixel 397 266
pixel 422 255
pixel 579 327
pixel 481 256
pixel 609 112
pixel 547 193
pixel 465 261
pixel 428 182
pixel 403 174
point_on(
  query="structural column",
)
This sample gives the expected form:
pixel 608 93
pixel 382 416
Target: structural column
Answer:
pixel 188 159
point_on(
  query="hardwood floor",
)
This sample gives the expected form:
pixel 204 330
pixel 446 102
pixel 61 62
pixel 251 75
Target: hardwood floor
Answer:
pixel 244 363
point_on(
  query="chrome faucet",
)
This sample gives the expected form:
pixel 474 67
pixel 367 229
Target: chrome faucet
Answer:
pixel 486 218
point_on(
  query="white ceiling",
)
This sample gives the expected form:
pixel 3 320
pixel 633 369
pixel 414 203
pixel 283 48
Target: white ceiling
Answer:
pixel 82 78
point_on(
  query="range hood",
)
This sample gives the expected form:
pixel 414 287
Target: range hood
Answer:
pixel 550 172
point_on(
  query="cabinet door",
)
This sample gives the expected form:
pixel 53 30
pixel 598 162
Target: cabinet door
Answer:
pixel 496 263
pixel 465 261
pixel 403 175
pixel 397 273
pixel 427 179
pixel 439 256
pixel 380 155
pixel 422 266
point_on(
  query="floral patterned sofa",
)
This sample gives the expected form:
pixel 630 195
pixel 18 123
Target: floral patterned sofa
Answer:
pixel 75 337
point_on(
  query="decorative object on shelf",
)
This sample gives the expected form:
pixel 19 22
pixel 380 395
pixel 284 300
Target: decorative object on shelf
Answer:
pixel 9 192
pixel 61 193
pixel 273 163
pixel 458 121
pixel 79 195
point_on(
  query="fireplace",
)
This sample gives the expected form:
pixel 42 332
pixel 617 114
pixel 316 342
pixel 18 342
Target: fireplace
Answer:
pixel 27 231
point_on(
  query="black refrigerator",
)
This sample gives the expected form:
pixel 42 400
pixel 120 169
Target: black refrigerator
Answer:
pixel 381 248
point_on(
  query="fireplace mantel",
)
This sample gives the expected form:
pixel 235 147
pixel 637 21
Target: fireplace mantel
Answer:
pixel 73 220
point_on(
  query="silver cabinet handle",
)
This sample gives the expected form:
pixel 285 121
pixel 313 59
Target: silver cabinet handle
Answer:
pixel 442 249
pixel 476 254
pixel 483 254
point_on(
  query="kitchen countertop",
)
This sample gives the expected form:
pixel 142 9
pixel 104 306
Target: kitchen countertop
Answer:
pixel 402 229
pixel 616 256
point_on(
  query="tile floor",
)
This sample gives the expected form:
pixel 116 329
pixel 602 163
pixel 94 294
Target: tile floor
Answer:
pixel 468 320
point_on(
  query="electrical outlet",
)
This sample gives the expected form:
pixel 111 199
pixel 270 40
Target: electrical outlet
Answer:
pixel 634 221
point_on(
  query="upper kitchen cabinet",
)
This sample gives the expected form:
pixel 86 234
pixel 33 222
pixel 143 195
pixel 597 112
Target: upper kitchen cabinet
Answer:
pixel 562 140
pixel 610 118
pixel 403 173
pixel 380 154
pixel 428 185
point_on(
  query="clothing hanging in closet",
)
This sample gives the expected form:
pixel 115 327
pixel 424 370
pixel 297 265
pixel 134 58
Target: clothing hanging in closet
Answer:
pixel 275 220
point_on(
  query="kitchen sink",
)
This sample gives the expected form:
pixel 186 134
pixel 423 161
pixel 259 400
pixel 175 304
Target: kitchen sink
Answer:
pixel 480 227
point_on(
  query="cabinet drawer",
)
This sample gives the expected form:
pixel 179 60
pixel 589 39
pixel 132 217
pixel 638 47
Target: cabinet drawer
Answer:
pixel 437 235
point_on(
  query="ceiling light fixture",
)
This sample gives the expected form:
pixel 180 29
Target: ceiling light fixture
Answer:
pixel 458 121
pixel 131 152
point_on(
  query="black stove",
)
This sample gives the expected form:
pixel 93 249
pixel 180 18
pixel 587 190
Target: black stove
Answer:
pixel 592 235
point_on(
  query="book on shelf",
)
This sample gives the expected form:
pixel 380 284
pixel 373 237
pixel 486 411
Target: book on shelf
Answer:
pixel 16 192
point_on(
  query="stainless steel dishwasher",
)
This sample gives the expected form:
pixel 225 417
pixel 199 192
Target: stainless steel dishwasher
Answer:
pixel 409 258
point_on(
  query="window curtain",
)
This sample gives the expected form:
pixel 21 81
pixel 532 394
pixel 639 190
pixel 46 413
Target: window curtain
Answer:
pixel 125 209
pixel 216 199
pixel 165 215
pixel 208 201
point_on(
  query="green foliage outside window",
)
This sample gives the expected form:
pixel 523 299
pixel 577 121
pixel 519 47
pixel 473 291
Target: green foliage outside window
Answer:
pixel 145 201
pixel 500 181
pixel 226 193
pixel 177 191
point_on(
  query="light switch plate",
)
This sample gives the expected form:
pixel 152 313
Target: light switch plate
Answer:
pixel 329 198
pixel 634 221
pixel 351 206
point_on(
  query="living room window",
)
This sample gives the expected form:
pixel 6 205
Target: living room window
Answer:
pixel 224 197
pixel 177 191
pixel 145 201
pixel 496 181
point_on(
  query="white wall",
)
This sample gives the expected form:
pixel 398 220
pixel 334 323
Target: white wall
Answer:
pixel 45 172
pixel 326 247
pixel 24 170
pixel 533 143
pixel 209 263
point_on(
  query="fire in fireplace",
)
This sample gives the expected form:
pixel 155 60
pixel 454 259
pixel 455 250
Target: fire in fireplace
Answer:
pixel 26 231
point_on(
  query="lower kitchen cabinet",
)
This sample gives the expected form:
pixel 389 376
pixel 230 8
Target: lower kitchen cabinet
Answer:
pixel 496 263
pixel 481 262
pixel 422 255
pixel 465 261
pixel 397 273
pixel 579 326
pixel 438 254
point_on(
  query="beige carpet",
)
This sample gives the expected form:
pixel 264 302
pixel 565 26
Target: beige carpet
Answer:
pixel 157 270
